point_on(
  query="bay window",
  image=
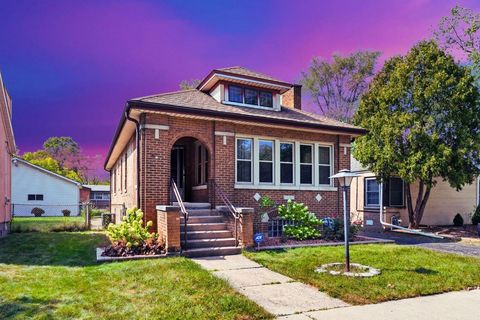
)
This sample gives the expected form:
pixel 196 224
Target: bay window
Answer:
pixel 244 160
pixel 286 162
pixel 306 164
pixel 265 157
pixel 324 165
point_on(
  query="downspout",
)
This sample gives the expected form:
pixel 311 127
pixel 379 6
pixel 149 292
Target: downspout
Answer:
pixel 407 230
pixel 137 141
pixel 338 169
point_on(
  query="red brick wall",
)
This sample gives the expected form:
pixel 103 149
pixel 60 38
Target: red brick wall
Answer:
pixel 155 163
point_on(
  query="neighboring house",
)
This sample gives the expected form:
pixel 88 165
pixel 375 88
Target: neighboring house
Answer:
pixel 442 206
pixel 34 186
pixel 243 130
pixel 98 195
pixel 7 151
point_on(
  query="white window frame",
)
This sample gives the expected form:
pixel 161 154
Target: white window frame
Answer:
pixel 312 164
pixel 330 165
pixel 254 184
pixel 279 157
pixel 367 205
pixel 202 165
pixel 266 161
pixel 252 157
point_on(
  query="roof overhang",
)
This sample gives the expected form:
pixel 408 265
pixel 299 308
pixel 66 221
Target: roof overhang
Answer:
pixel 218 75
pixel 135 108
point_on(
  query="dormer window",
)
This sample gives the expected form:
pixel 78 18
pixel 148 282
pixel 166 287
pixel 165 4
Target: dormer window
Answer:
pixel 250 96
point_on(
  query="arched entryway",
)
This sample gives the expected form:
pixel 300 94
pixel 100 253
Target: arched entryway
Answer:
pixel 190 169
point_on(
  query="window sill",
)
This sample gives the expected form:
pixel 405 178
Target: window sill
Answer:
pixel 283 187
pixel 200 187
pixel 248 105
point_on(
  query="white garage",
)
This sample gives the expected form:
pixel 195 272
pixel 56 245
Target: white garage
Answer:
pixel 33 186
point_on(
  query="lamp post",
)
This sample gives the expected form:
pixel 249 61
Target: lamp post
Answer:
pixel 345 178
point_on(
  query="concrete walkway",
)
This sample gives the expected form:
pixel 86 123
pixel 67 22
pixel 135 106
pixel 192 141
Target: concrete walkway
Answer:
pixel 276 293
pixel 462 305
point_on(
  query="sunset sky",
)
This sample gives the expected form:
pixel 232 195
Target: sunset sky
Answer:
pixel 71 65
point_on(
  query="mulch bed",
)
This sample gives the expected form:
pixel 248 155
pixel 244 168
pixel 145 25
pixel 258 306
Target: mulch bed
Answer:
pixel 146 249
pixel 467 231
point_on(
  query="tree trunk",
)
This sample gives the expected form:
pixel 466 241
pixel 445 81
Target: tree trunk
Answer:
pixel 415 215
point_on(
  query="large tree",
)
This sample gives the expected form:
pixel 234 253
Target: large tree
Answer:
pixel 189 84
pixel 423 120
pixel 336 85
pixel 42 159
pixel 459 34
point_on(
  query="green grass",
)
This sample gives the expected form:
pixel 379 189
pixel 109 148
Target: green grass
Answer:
pixel 45 224
pixel 405 271
pixel 55 276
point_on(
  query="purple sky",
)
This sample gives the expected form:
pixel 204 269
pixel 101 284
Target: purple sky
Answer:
pixel 71 65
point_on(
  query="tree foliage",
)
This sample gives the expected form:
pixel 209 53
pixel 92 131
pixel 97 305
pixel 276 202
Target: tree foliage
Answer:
pixel 336 86
pixel 459 33
pixel 189 84
pixel 423 120
pixel 43 159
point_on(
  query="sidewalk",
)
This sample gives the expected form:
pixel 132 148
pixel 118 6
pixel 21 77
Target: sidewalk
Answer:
pixel 276 293
pixel 461 305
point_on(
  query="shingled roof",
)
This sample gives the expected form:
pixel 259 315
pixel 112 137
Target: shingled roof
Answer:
pixel 201 103
pixel 249 73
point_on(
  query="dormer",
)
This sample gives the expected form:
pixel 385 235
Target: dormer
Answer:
pixel 245 88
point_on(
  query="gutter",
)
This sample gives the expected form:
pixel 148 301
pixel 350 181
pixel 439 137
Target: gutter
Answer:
pixel 137 142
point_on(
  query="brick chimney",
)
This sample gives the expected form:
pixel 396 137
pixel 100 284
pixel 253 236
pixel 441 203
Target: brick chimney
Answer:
pixel 293 97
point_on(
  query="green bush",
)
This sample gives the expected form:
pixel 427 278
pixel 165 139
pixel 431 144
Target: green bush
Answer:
pixel 336 232
pixel 476 216
pixel 66 212
pixel 458 220
pixel 38 212
pixel 305 225
pixel 130 231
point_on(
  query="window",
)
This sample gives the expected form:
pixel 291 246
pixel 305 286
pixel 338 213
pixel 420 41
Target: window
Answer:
pixel 114 180
pixel 306 164
pixel 250 96
pixel 266 99
pixel 286 162
pixel 372 193
pixel 244 160
pixel 235 94
pixel 100 196
pixel 324 165
pixel 35 197
pixel 125 182
pixel 265 157
pixel 201 165
pixel 393 192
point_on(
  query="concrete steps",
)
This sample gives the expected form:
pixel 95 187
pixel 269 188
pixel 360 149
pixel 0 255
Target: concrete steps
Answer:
pixel 207 233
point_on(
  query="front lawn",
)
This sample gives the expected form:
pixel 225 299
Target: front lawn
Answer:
pixel 405 271
pixel 45 224
pixel 55 276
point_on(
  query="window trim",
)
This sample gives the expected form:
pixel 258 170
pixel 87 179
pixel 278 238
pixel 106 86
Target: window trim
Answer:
pixel 243 103
pixel 35 196
pixel 286 162
pixel 272 162
pixel 331 164
pixel 365 184
pixel 312 164
pixel 251 160
pixel 254 184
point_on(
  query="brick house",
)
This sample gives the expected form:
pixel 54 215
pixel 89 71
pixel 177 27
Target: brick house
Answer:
pixel 240 135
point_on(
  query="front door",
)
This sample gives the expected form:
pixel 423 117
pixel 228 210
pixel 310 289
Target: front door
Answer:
pixel 177 170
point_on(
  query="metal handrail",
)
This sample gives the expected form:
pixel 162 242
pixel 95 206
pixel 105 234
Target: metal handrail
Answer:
pixel 233 210
pixel 184 211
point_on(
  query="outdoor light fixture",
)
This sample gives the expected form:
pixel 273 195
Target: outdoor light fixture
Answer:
pixel 345 178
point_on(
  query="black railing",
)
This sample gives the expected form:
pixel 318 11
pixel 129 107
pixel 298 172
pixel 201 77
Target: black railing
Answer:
pixel 183 211
pixel 231 208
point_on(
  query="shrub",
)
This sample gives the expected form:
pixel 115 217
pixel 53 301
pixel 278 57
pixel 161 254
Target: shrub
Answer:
pixel 305 225
pixel 37 212
pixel 458 220
pixel 476 216
pixel 130 231
pixel 336 232
pixel 66 212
